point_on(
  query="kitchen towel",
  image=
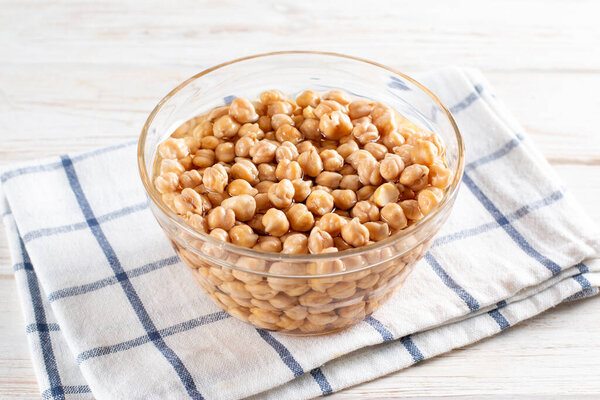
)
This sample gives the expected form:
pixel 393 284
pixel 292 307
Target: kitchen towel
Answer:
pixel 112 313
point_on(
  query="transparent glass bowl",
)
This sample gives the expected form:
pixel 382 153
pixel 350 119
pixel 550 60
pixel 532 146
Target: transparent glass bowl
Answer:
pixel 285 292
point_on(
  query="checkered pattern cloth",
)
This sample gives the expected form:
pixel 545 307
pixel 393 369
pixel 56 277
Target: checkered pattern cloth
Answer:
pixel 112 313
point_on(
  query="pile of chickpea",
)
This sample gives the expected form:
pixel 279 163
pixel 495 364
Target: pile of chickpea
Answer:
pixel 318 174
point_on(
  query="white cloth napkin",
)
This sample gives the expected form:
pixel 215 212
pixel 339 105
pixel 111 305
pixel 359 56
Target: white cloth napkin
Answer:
pixel 113 314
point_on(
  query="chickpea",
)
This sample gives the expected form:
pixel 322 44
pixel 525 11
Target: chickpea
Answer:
pixel 368 172
pixel 350 182
pixel 365 132
pixel 338 95
pixel 204 128
pixel 286 151
pixel 244 144
pixel 225 152
pixel 335 125
pixel 308 98
pixel 216 198
pixel 365 192
pixel 204 158
pixel 393 215
pixel 278 120
pixel 329 179
pixel 385 194
pixel 359 157
pixel 302 189
pixel 173 149
pixel 281 194
pixel 310 129
pixel 243 110
pixel 306 145
pixel 262 202
pixel 391 167
pixel 393 139
pixel 377 230
pixel 340 244
pixel 429 198
pixel 332 160
pixel 166 183
pixel 423 152
pixel 331 223
pixel 347 169
pixel 296 243
pixel 264 123
pixel 263 152
pixel 225 127
pixel 210 142
pixel 275 222
pixel 384 118
pixel 190 200
pixel 217 113
pixel 171 165
pixel 271 96
pixel 354 233
pixel 266 173
pixel 215 178
pixel 246 170
pixel 252 130
pixel 243 235
pixel 221 217
pixel 279 107
pixel 318 240
pixel 327 106
pixel 360 108
pixel 287 169
pixel 415 176
pixel 256 223
pixel 308 113
pixel 365 211
pixel 240 186
pixel 190 179
pixel 404 152
pixel 244 206
pixel 439 175
pixel 220 234
pixel 310 162
pixel 186 162
pixel 347 148
pixel 377 150
pixel 319 202
pixel 301 220
pixel 343 199
pixel 287 133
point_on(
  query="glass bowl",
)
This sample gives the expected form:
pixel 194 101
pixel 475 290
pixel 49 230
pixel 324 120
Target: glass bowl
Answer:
pixel 294 293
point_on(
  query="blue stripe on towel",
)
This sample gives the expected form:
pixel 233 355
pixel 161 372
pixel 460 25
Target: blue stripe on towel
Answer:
pixel 285 355
pixel 39 315
pixel 323 383
pixel 379 327
pixel 412 349
pixel 130 292
pixel 499 318
pixel 450 283
pixel 508 227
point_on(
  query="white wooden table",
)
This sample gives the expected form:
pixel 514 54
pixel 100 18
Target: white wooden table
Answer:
pixel 78 75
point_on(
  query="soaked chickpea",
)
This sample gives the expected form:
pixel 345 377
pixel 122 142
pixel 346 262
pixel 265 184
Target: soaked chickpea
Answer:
pixel 168 182
pixel 242 110
pixel 344 199
pixel 225 152
pixel 244 206
pixel 225 127
pixel 287 169
pixel 221 217
pixel 275 222
pixel 215 178
pixel 429 198
pixel 308 98
pixel 204 158
pixel 302 189
pixel 288 133
pixel 377 230
pixel 266 173
pixel 296 243
pixel 330 179
pixel 319 202
pixel 301 219
pixel 415 176
pixel 240 186
pixel 354 233
pixel 310 129
pixel 391 167
pixel 310 162
pixel 393 215
pixel 385 194
pixel 262 152
pixel 190 179
pixel 244 169
pixel 243 235
pixel 365 211
pixel 365 132
pixel 278 120
pixel 332 160
pixel 281 194
pixel 331 223
pixel 335 125
pixel 286 151
pixel 350 182
pixel 318 240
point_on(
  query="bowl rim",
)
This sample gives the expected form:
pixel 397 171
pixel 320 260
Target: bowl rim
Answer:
pixel 154 195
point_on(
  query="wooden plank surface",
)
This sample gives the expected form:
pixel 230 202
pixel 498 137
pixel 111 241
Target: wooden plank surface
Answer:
pixel 77 75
